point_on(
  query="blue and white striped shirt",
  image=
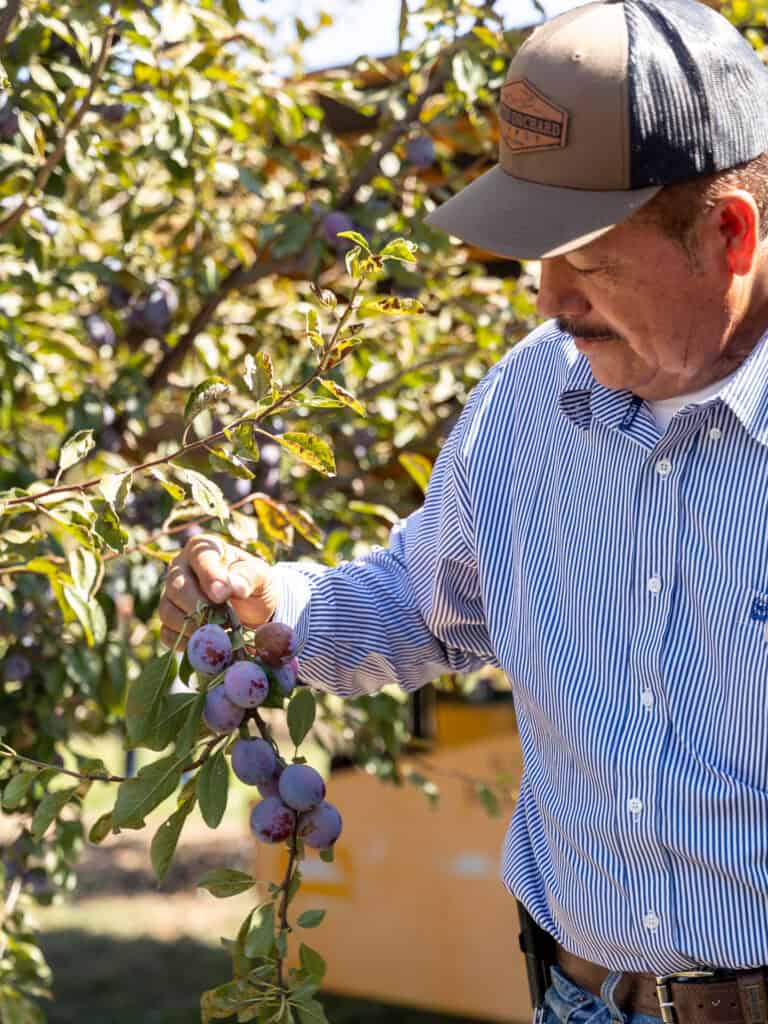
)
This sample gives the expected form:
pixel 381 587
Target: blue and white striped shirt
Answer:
pixel 620 579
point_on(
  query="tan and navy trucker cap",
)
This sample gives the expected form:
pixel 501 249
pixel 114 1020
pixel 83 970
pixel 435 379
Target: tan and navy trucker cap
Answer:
pixel 601 108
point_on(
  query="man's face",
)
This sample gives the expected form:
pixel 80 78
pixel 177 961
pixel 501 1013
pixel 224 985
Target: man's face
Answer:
pixel 646 318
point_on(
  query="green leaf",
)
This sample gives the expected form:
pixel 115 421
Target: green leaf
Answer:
pixel 400 249
pixel 355 237
pixel 48 808
pixel 75 449
pixel 89 614
pixel 176 492
pixel 205 395
pixel 223 462
pixel 213 788
pixel 206 493
pixel 418 467
pixel 304 524
pixel 259 940
pixel 109 528
pixel 171 716
pixel 191 727
pixel 313 334
pixel 311 1012
pixel 16 790
pixel 101 828
pixel 245 442
pixel 310 449
pixel 145 696
pixel 116 487
pixel 343 396
pixel 301 714
pixel 312 963
pixel 370 509
pixel 489 799
pixel 223 882
pixel 166 838
pixel 310 918
pixel 139 796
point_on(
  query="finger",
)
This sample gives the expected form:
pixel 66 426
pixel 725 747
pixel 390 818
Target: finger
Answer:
pixel 208 558
pixel 181 587
pixel 173 618
pixel 168 639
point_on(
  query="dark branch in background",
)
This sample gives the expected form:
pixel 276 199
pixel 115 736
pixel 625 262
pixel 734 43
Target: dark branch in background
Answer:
pixel 7 18
pixel 48 166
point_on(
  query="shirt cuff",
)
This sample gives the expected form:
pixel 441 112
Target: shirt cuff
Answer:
pixel 294 591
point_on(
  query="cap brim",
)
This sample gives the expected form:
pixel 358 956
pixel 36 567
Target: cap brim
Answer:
pixel 522 220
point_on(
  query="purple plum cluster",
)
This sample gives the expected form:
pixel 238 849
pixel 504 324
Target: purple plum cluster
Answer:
pixel 293 796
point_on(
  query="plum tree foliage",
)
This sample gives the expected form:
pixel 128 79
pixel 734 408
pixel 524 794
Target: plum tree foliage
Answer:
pixel 220 309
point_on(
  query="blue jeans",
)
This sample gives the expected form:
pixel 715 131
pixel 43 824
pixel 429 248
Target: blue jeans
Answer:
pixel 566 1003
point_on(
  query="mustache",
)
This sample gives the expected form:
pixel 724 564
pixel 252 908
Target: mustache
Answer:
pixel 577 330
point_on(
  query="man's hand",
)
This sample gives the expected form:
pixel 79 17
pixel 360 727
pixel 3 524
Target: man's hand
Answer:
pixel 210 570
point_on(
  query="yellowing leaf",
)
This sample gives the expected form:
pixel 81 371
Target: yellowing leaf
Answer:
pixel 343 396
pixel 418 467
pixel 310 449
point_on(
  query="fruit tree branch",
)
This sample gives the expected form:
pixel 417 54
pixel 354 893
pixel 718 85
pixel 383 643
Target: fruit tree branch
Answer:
pixel 47 168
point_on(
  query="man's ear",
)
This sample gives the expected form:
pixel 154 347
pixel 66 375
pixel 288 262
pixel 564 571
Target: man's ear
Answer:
pixel 737 220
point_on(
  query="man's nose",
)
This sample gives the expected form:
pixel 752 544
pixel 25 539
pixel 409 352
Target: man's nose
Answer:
pixel 559 293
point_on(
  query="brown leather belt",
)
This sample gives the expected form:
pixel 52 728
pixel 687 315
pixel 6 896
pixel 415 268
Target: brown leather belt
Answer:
pixel 737 997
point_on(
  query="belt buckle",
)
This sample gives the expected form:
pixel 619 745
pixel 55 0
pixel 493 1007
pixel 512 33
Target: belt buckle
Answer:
pixel 664 993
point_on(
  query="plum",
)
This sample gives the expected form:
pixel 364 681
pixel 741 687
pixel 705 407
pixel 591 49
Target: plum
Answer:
pixel 209 650
pixel 321 827
pixel 272 821
pixel 9 122
pixel 333 223
pixel 421 151
pixel 16 667
pixel 301 787
pixel 99 331
pixel 246 684
pixel 287 675
pixel 254 762
pixel 219 713
pixel 272 785
pixel 275 643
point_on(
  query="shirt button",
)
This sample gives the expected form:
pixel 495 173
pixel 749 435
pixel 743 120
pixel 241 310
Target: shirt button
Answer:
pixel 646 698
pixel 715 433
pixel 651 921
pixel 654 584
pixel 634 805
pixel 663 467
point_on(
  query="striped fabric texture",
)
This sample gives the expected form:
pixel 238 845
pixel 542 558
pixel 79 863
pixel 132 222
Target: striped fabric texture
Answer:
pixel 620 580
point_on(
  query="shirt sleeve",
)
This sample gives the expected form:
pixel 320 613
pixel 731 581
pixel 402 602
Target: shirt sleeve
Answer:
pixel 403 614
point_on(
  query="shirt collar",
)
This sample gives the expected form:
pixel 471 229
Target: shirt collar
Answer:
pixel 746 394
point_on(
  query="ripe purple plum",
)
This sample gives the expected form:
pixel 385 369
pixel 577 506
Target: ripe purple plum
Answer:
pixel 421 151
pixel 209 650
pixel 246 684
pixel 275 643
pixel 287 675
pixel 254 762
pixel 272 785
pixel 272 821
pixel 333 223
pixel 321 827
pixel 301 787
pixel 219 713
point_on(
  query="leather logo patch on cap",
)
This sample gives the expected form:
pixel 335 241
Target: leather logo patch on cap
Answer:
pixel 529 121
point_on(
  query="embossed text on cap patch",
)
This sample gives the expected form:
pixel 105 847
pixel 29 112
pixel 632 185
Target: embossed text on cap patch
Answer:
pixel 529 121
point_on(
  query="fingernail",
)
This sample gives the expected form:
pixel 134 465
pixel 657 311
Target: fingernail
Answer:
pixel 219 591
pixel 240 585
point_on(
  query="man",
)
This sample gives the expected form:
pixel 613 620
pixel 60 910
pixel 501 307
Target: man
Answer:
pixel 596 522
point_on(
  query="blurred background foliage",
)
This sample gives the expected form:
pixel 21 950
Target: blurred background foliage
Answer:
pixel 168 206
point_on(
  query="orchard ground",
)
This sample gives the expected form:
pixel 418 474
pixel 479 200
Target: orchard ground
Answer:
pixel 123 949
